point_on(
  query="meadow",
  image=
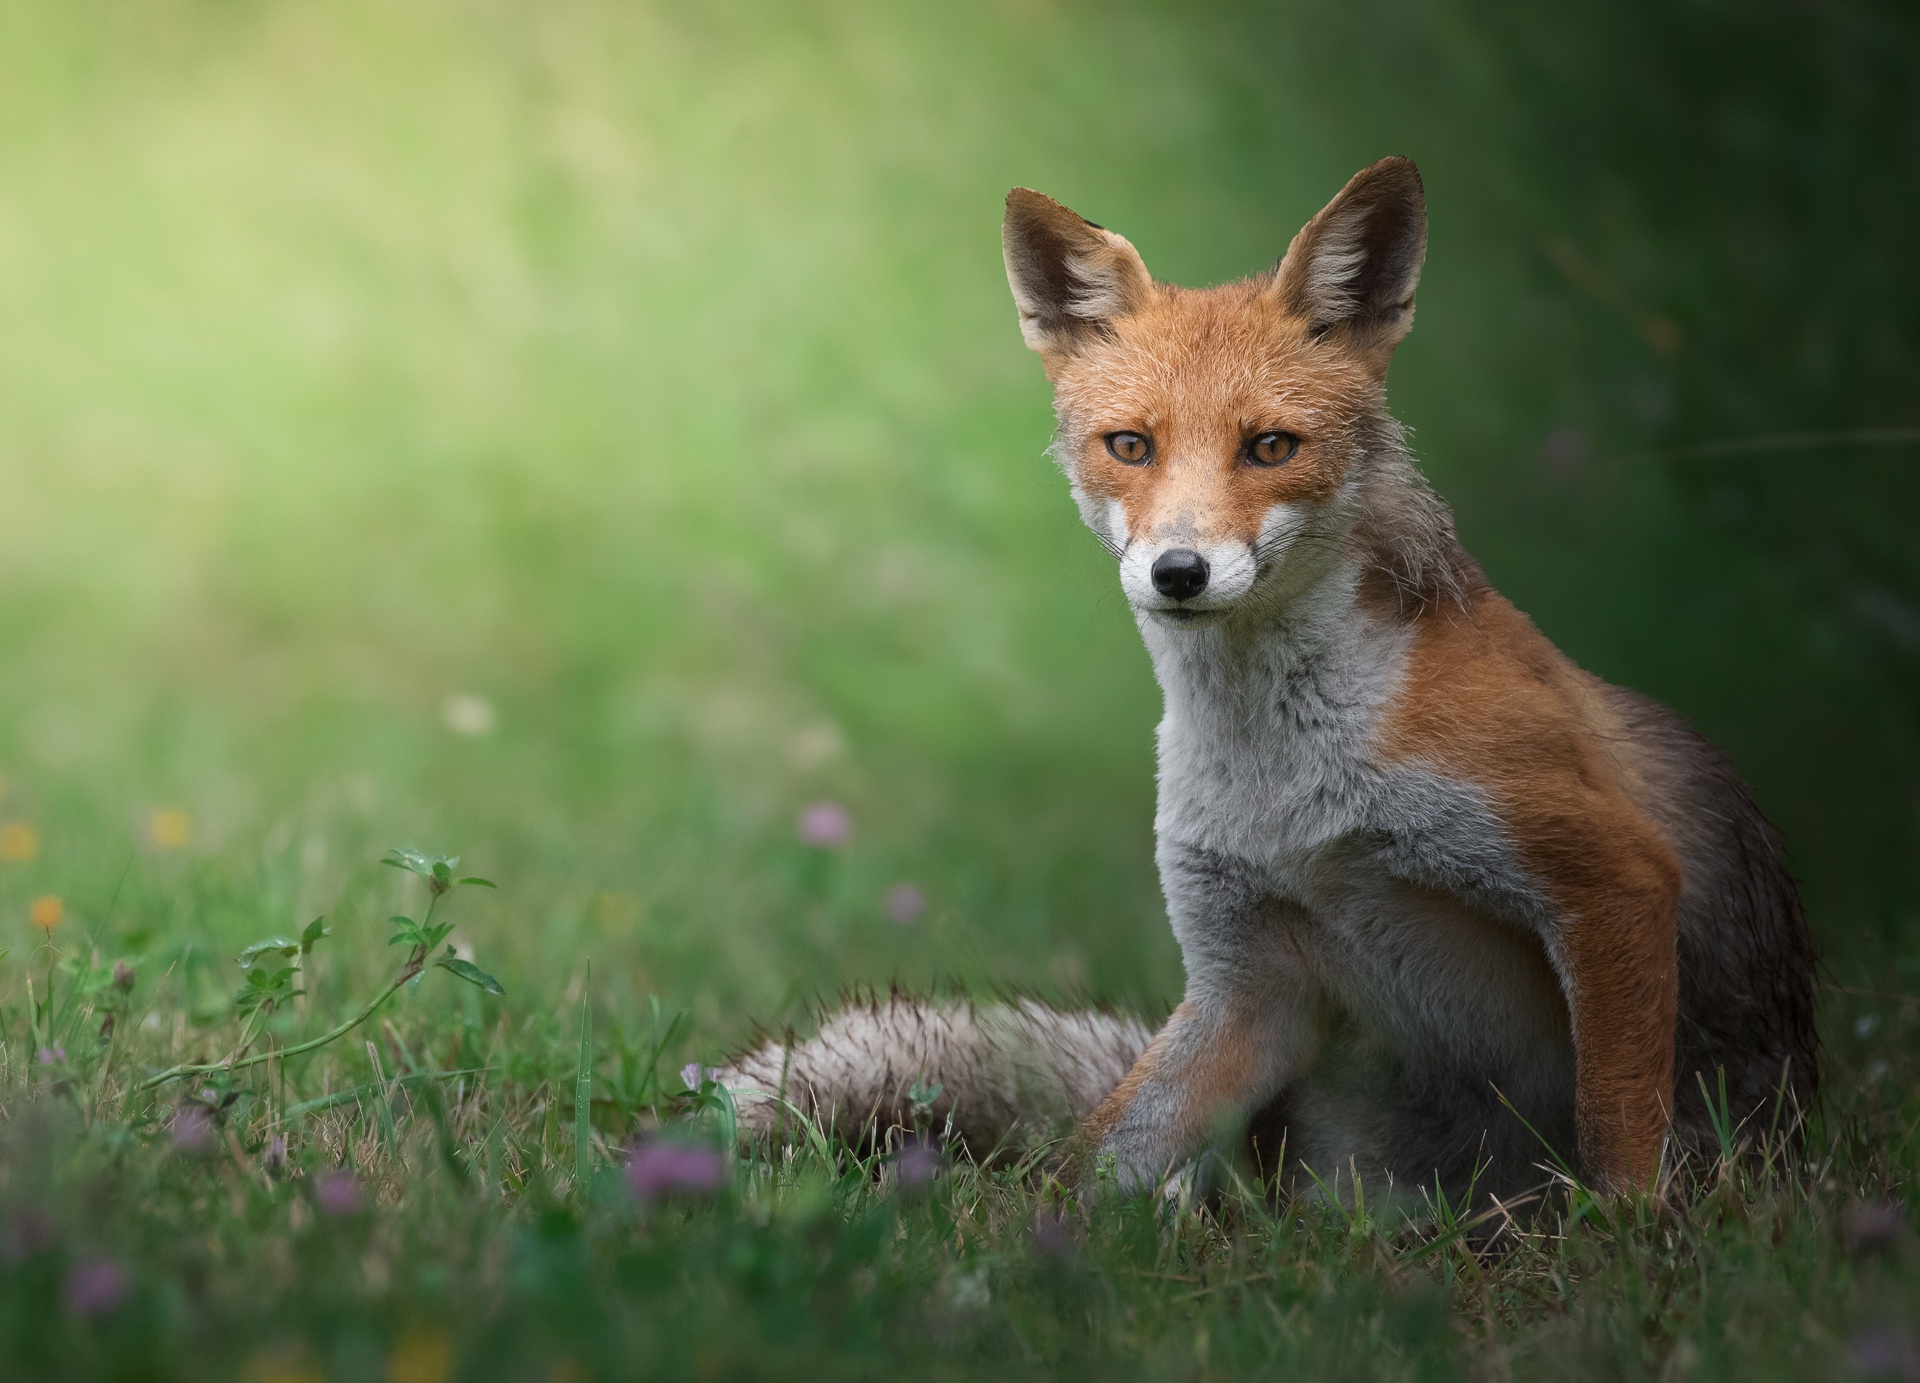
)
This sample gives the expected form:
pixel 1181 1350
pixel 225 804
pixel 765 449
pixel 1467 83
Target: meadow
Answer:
pixel 593 440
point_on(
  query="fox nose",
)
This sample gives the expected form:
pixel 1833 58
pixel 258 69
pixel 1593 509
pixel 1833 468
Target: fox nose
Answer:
pixel 1180 573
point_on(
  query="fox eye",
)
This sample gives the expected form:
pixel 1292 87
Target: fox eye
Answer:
pixel 1272 448
pixel 1130 447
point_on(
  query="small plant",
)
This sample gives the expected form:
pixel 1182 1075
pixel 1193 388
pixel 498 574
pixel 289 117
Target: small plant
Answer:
pixel 921 1098
pixel 271 983
pixel 422 936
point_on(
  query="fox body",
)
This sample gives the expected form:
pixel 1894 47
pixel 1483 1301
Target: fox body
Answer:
pixel 1441 895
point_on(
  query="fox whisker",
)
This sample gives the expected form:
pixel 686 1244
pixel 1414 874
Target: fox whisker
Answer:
pixel 1275 547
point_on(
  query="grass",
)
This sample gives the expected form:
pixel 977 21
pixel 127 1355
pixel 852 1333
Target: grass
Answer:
pixel 583 436
pixel 439 1215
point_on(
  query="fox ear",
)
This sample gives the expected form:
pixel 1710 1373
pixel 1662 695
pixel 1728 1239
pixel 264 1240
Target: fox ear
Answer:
pixel 1071 279
pixel 1353 268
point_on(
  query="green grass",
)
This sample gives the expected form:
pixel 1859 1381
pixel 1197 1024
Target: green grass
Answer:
pixel 647 372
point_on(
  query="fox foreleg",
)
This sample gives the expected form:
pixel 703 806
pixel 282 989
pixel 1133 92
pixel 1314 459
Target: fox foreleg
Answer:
pixel 1248 1024
pixel 1620 971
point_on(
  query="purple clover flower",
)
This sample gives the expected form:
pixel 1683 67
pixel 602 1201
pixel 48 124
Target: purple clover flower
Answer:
pixel 1051 1237
pixel 338 1193
pixel 693 1075
pixel 916 1164
pixel 905 903
pixel 1870 1228
pixel 825 825
pixel 664 1167
pixel 51 1056
pixel 95 1287
pixel 192 1129
pixel 1884 1351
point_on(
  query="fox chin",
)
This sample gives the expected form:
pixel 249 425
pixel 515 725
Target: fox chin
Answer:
pixel 1451 909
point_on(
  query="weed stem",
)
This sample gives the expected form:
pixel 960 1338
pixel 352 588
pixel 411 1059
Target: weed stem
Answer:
pixel 414 964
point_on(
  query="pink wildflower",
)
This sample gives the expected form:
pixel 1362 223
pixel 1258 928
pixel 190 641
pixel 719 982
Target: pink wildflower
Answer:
pixel 1051 1237
pixel 662 1167
pixel 339 1193
pixel 905 903
pixel 916 1164
pixel 825 825
pixel 192 1129
pixel 95 1287
pixel 1870 1228
pixel 1884 1350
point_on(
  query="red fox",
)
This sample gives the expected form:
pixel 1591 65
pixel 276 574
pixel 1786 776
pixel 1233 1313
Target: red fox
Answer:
pixel 1442 897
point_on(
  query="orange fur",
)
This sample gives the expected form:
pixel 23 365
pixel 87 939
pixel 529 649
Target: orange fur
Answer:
pixel 1210 1076
pixel 1201 372
pixel 1490 701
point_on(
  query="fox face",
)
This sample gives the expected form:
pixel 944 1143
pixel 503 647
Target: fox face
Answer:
pixel 1217 440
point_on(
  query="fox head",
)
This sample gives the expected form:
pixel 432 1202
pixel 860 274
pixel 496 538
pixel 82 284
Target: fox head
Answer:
pixel 1229 444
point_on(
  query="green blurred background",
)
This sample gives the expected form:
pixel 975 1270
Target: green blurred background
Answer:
pixel 644 374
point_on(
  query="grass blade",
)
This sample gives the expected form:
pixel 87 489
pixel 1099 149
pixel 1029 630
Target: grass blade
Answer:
pixel 583 1090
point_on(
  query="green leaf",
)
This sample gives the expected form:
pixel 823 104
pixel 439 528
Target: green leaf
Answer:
pixel 473 879
pixel 273 945
pixel 470 972
pixel 436 869
pixel 311 936
pixel 409 859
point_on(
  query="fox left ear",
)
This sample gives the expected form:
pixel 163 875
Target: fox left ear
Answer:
pixel 1353 268
pixel 1071 279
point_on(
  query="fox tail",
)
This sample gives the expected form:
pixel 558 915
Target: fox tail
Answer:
pixel 992 1075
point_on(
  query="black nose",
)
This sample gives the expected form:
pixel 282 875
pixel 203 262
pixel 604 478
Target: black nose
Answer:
pixel 1180 573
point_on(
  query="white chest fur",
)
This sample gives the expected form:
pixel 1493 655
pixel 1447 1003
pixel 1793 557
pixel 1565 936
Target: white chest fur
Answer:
pixel 1264 744
pixel 1423 926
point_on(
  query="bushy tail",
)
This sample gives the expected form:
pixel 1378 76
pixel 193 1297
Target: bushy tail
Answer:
pixel 1008 1073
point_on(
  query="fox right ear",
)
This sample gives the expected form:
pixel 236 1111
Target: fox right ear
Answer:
pixel 1071 279
pixel 1354 266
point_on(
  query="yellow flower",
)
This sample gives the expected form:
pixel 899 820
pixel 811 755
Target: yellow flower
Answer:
pixel 19 842
pixel 170 828
pixel 47 912
pixel 421 1357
